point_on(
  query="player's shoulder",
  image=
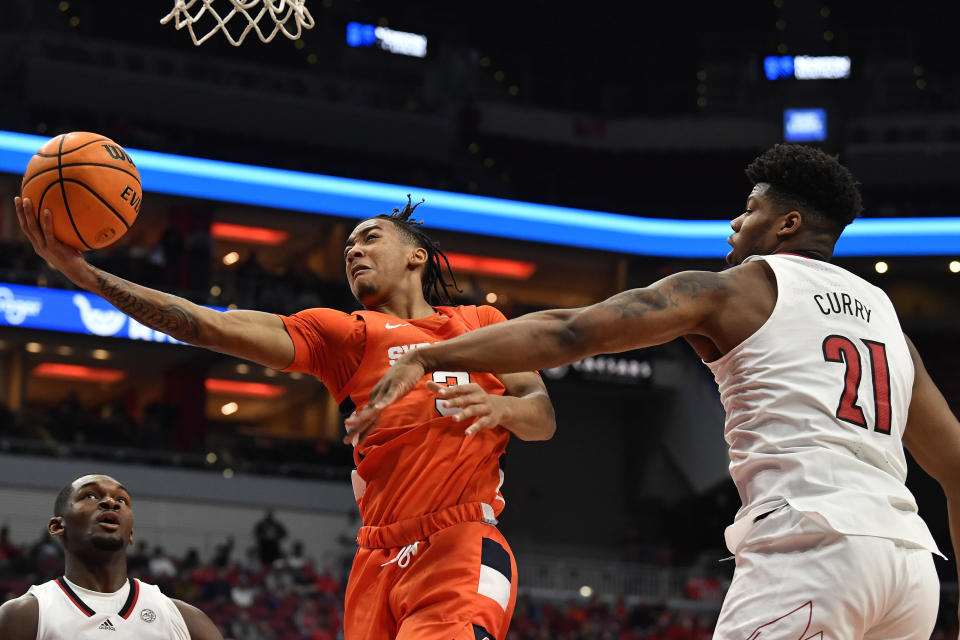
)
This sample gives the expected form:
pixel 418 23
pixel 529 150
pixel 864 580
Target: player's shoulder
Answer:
pixel 323 320
pixel 19 618
pixel 185 608
pixel 490 315
pixel 198 623
pixel 747 276
pixel 19 606
pixel 716 284
pixel 323 313
pixel 484 314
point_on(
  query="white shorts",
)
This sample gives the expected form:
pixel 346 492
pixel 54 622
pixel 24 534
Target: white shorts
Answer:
pixel 799 580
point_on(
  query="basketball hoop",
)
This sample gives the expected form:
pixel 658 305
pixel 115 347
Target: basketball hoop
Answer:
pixel 289 16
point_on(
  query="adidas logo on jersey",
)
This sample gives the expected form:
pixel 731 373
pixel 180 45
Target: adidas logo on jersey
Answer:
pixel 395 353
pixel 106 625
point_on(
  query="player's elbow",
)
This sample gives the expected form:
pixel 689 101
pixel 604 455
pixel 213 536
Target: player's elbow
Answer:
pixel 948 477
pixel 548 431
pixel 572 337
pixel 227 332
pixel 537 435
pixel 541 432
pixel 544 427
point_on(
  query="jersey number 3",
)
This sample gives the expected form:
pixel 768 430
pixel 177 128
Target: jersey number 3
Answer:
pixel 841 349
pixel 449 378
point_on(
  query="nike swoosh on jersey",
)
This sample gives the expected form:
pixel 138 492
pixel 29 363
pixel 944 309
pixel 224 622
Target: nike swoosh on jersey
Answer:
pixel 394 326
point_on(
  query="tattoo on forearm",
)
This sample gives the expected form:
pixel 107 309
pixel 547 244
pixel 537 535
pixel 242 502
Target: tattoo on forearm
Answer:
pixel 171 319
pixel 679 290
pixel 631 304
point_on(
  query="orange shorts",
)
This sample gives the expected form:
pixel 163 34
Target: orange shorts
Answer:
pixel 456 583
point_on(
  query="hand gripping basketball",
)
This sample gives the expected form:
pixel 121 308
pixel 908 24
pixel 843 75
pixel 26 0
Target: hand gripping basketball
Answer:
pixel 61 257
pixel 90 185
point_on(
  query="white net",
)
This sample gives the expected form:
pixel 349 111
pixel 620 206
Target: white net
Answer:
pixel 264 17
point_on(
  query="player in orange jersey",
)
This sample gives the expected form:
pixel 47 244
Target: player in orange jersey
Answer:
pixel 431 565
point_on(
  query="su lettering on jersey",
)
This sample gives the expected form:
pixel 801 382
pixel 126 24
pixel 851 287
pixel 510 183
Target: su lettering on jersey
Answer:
pixel 395 353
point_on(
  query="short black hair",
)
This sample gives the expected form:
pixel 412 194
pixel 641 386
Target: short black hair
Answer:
pixel 436 290
pixel 63 498
pixel 810 181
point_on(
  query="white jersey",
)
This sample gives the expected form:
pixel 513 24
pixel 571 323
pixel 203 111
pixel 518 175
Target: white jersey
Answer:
pixel 816 403
pixel 138 611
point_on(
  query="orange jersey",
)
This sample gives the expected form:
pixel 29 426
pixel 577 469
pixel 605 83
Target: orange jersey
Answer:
pixel 417 461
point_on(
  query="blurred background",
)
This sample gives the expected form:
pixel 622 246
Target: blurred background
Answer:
pixel 244 505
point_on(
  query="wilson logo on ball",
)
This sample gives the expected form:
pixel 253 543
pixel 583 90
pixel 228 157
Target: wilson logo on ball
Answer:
pixel 117 153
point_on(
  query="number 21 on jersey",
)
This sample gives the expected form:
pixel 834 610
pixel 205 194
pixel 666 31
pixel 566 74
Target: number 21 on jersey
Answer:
pixel 451 379
pixel 843 350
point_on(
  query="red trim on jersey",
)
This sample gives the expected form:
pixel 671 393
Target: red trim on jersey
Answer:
pixel 131 600
pixel 125 612
pixel 74 598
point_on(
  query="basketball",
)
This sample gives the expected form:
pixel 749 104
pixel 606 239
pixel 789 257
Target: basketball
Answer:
pixel 90 185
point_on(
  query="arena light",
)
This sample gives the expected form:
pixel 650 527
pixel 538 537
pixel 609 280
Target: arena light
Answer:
pixel 500 267
pixel 60 371
pixel 249 235
pixel 361 35
pixel 807 67
pixel 565 226
pixel 821 67
pixel 239 388
pixel 804 125
pixel 776 67
pixel 399 42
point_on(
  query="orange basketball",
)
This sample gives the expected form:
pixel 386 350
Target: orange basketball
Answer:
pixel 90 185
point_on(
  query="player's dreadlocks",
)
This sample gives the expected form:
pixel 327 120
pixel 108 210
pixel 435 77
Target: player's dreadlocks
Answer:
pixel 810 181
pixel 436 290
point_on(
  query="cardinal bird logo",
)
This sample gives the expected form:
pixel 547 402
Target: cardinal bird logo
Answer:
pixel 791 626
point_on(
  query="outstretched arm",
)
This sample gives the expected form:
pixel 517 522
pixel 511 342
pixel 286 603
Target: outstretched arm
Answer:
pixel 676 306
pixel 256 336
pixel 682 304
pixel 932 436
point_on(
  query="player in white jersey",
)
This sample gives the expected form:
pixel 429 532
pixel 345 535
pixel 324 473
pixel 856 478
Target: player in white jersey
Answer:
pixel 94 599
pixel 821 390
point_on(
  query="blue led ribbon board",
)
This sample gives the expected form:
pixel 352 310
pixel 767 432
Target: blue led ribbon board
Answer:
pixel 348 198
pixel 72 312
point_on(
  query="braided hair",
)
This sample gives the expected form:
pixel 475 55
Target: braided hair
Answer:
pixel 436 289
